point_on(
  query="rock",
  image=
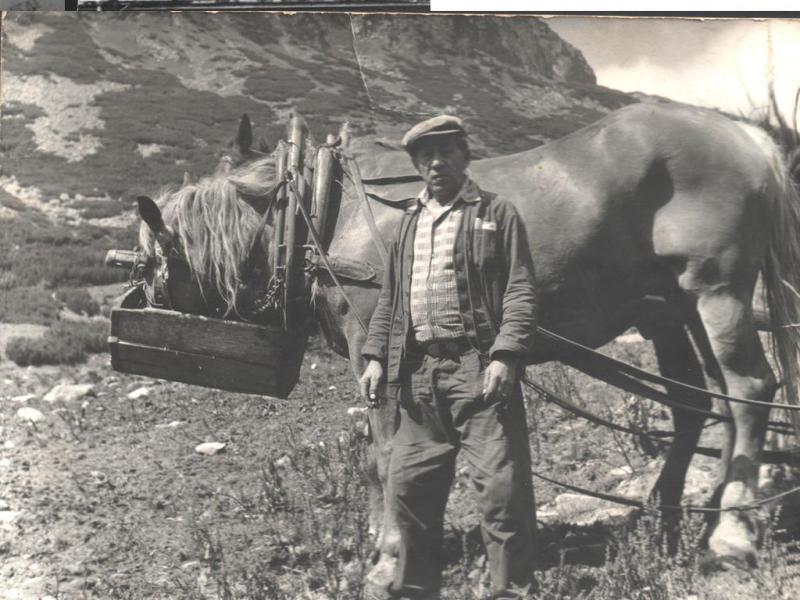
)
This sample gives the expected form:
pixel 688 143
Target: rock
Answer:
pixel 357 412
pixel 621 472
pixel 8 445
pixel 331 388
pixel 24 398
pixel 28 413
pixel 67 392
pixel 3 505
pixel 586 510
pixel 170 425
pixel 283 462
pixel 8 516
pixel 141 392
pixel 210 448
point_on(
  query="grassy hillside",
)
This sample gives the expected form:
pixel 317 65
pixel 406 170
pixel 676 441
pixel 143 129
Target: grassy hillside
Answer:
pixel 98 108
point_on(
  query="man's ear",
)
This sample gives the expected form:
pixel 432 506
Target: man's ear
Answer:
pixel 414 162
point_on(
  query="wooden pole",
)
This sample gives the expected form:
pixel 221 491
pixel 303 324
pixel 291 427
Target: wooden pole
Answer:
pixel 293 300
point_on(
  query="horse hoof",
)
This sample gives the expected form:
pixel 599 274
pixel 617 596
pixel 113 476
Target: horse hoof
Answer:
pixel 379 579
pixel 733 543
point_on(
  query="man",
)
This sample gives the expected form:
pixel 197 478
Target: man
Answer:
pixel 454 321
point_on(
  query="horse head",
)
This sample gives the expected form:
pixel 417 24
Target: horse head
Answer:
pixel 203 246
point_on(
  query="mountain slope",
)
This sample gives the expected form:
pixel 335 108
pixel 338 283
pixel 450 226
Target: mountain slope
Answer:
pixel 107 105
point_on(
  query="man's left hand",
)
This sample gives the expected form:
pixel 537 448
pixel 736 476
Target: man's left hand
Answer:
pixel 500 378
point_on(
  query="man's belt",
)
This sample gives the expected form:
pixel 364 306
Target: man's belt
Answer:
pixel 444 348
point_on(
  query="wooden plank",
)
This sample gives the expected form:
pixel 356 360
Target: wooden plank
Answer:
pixel 243 342
pixel 197 369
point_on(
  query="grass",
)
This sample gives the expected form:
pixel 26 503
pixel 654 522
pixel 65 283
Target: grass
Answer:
pixel 78 300
pixel 43 254
pixel 308 511
pixel 27 304
pixel 65 343
pixel 308 507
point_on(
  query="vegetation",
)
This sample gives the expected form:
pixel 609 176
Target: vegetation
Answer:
pixel 65 343
pixel 78 300
pixel 40 253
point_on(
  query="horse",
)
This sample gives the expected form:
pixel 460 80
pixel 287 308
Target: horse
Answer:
pixel 658 216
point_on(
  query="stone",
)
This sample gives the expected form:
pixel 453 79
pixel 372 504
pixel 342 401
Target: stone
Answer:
pixel 170 425
pixel 28 413
pixel 621 472
pixel 8 516
pixel 283 462
pixel 67 392
pixel 141 392
pixel 23 398
pixel 581 510
pixel 210 448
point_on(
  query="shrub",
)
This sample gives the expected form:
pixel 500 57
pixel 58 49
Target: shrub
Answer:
pixel 29 304
pixel 78 301
pixel 65 342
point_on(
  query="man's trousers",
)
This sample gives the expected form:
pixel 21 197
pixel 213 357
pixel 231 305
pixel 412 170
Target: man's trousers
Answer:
pixel 442 412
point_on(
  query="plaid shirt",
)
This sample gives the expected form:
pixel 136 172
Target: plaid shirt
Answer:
pixel 434 297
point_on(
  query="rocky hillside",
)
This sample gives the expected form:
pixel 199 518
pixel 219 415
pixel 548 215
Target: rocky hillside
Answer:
pixel 96 107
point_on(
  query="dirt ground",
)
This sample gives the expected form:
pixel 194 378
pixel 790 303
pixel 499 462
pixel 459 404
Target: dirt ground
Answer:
pixel 105 496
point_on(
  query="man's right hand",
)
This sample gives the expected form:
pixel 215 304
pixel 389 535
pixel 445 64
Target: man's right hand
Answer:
pixel 370 382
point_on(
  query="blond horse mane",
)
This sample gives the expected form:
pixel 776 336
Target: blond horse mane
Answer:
pixel 213 225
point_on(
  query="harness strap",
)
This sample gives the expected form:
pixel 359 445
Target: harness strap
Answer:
pixel 666 507
pixel 600 359
pixel 315 238
pixel 768 456
pixel 249 266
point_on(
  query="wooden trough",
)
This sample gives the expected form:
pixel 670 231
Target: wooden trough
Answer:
pixel 226 355
pixel 234 355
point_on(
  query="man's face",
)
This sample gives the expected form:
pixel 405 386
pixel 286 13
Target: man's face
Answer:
pixel 441 160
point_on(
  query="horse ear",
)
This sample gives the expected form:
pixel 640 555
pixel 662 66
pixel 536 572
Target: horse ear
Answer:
pixel 244 137
pixel 187 178
pixel 150 213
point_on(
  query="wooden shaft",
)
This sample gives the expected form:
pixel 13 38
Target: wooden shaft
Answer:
pixel 280 211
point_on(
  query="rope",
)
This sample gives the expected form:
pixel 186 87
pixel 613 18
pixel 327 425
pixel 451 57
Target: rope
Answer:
pixel 666 507
pixel 767 456
pixel 627 369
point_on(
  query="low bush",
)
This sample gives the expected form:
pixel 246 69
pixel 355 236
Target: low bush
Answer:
pixel 28 304
pixel 61 255
pixel 65 342
pixel 78 301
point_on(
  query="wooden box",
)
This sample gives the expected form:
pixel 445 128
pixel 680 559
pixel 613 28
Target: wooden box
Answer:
pixel 226 355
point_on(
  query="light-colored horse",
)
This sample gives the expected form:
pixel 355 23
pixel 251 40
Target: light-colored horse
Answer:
pixel 659 217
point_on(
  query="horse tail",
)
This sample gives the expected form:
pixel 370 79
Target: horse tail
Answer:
pixel 781 275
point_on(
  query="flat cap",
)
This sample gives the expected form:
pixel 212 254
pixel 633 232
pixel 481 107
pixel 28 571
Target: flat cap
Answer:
pixel 439 125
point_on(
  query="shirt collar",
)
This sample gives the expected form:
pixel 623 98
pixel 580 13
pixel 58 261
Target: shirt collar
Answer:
pixel 469 193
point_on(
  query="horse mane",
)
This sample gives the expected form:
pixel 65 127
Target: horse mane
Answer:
pixel 213 225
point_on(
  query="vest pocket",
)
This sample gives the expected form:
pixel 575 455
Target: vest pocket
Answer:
pixel 485 246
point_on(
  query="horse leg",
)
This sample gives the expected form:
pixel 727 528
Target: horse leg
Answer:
pixel 678 360
pixel 729 323
pixel 382 424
